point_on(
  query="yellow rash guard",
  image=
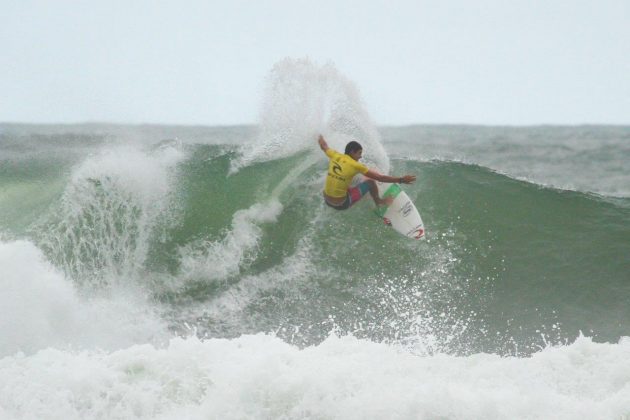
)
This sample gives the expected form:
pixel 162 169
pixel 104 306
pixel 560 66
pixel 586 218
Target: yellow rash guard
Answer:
pixel 341 169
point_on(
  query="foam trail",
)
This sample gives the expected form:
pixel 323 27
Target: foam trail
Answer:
pixel 293 269
pixel 301 101
pixel 221 259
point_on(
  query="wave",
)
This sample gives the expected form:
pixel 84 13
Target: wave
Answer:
pixel 503 256
pixel 507 265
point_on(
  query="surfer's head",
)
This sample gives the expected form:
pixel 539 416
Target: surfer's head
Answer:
pixel 354 150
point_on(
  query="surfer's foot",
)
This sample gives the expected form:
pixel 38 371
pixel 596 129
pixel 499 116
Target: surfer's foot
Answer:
pixel 385 201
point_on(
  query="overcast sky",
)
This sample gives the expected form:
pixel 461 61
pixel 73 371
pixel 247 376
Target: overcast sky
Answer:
pixel 204 62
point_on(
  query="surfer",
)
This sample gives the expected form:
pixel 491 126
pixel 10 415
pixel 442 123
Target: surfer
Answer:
pixel 338 193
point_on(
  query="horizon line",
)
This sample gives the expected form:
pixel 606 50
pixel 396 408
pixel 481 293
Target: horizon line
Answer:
pixel 385 125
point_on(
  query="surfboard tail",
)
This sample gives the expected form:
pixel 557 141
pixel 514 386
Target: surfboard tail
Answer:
pixel 401 214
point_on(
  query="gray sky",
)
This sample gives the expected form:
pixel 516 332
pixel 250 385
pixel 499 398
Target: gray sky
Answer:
pixel 204 62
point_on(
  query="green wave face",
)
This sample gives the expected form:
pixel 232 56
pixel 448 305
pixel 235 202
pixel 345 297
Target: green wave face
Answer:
pixel 507 265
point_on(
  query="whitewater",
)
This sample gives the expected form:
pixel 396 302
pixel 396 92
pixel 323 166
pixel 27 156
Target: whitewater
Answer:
pixel 163 272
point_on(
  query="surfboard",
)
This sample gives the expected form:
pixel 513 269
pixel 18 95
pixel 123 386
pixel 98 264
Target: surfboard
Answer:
pixel 401 214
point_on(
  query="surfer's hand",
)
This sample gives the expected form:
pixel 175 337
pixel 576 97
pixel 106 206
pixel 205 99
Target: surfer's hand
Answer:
pixel 322 143
pixel 407 179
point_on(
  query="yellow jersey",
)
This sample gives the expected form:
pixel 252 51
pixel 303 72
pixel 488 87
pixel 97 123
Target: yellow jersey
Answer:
pixel 341 169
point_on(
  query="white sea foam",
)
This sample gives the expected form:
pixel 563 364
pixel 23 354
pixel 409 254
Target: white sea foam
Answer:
pixel 261 376
pixel 286 276
pixel 40 308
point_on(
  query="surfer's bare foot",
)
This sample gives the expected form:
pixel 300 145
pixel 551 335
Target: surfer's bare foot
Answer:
pixel 385 201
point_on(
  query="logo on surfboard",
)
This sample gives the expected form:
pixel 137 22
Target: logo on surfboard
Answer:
pixel 416 233
pixel 406 208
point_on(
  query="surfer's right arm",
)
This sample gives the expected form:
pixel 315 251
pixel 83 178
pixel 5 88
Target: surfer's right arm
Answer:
pixel 406 179
pixel 322 143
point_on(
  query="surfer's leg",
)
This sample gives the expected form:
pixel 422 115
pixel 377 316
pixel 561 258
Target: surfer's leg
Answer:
pixel 357 193
pixel 374 193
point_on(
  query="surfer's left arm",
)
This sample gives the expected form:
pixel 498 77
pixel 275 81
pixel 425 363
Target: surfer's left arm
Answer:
pixel 406 179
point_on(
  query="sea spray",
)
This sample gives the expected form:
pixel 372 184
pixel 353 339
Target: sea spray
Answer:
pixel 302 100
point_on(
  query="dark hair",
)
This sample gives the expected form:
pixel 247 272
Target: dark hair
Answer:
pixel 352 147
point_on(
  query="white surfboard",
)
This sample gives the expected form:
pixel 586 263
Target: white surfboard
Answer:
pixel 401 214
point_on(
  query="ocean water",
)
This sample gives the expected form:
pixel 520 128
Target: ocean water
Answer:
pixel 167 272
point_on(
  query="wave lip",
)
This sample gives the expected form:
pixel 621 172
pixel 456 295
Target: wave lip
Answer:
pixel 109 212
